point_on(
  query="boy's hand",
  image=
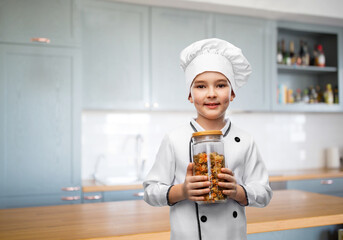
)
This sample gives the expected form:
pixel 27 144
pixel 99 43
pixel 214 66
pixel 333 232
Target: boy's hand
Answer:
pixel 195 186
pixel 231 188
pixel 230 184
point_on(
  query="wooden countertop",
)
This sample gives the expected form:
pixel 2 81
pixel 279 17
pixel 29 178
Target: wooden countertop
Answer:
pixel 93 186
pixel 274 176
pixel 289 209
pixel 289 175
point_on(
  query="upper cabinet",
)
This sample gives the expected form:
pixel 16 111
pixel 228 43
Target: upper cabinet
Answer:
pixel 39 22
pixel 303 75
pixel 115 51
pixel 39 126
pixel 253 37
pixel 131 58
pixel 171 31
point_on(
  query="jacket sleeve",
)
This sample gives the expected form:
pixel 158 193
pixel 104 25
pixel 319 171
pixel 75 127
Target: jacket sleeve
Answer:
pixel 159 179
pixel 256 179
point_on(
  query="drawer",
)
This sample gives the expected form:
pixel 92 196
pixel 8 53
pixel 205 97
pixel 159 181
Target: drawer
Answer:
pixel 136 194
pixel 92 197
pixel 326 186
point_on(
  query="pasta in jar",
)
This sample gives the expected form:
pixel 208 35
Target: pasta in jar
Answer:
pixel 210 165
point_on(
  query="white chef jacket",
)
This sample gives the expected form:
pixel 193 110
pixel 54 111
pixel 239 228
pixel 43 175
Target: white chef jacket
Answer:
pixel 191 221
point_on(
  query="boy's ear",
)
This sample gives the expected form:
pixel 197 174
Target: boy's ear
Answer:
pixel 232 96
pixel 190 98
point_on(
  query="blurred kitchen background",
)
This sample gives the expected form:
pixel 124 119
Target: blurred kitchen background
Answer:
pixel 88 89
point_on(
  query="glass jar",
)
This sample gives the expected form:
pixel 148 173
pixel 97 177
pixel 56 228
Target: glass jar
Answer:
pixel 208 159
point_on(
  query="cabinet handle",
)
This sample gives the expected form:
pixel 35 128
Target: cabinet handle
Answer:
pixel 40 40
pixel 326 182
pixel 138 194
pixel 72 198
pixel 71 189
pixel 95 197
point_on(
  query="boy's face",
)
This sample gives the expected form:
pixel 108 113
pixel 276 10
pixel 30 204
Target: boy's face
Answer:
pixel 210 94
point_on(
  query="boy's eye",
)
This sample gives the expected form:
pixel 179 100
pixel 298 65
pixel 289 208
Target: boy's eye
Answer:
pixel 200 86
pixel 222 85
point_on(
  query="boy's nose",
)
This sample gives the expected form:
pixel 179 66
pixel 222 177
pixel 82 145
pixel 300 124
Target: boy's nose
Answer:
pixel 211 92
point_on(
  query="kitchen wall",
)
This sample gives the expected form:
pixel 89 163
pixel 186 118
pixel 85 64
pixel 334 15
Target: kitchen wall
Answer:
pixel 319 12
pixel 287 141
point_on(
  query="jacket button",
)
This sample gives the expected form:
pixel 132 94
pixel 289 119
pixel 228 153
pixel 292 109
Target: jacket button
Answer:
pixel 237 139
pixel 203 218
pixel 234 214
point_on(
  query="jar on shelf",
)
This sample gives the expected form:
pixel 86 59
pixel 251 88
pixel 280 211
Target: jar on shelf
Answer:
pixel 208 158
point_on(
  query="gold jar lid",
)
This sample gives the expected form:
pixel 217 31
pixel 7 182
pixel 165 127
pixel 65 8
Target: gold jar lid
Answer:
pixel 205 133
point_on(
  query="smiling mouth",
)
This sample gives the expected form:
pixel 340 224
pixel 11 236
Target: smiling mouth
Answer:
pixel 211 105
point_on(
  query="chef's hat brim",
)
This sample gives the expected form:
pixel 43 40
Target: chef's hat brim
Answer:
pixel 218 56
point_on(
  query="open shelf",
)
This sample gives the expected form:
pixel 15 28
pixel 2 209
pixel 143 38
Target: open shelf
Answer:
pixel 293 78
pixel 305 69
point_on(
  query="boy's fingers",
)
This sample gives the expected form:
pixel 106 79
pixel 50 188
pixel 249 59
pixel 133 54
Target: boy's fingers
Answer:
pixel 195 193
pixel 227 185
pixel 198 178
pixel 228 171
pixel 197 185
pixel 189 169
pixel 226 177
pixel 197 198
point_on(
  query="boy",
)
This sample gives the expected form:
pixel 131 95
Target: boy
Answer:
pixel 214 70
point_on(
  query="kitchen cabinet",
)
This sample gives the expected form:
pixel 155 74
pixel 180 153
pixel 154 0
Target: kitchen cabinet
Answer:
pixel 252 35
pixel 92 197
pixel 108 193
pixel 313 233
pixel 39 21
pixel 115 52
pixel 171 31
pixel 330 186
pixel 125 195
pixel 303 77
pixel 39 125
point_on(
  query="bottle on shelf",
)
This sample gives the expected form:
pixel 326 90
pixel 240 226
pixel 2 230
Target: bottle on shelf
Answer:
pixel 306 98
pixel 335 95
pixel 301 53
pixel 279 56
pixel 313 95
pixel 291 52
pixel 328 95
pixel 314 57
pixel 320 59
pixel 319 94
pixel 290 97
pixel 298 96
pixel 283 51
pixel 306 56
pixel 285 54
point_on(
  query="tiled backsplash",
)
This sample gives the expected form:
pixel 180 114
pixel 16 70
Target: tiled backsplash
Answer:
pixel 286 141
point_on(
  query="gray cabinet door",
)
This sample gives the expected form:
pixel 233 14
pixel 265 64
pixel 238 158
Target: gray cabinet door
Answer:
pixel 22 20
pixel 333 186
pixel 252 36
pixel 125 195
pixel 39 125
pixel 115 56
pixel 172 31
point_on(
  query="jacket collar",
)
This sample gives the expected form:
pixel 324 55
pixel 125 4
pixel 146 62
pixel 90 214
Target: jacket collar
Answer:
pixel 197 128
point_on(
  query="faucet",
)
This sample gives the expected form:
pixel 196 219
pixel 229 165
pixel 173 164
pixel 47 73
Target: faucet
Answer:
pixel 140 163
pixel 100 158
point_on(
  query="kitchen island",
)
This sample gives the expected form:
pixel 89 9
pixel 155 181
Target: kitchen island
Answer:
pixel 288 209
